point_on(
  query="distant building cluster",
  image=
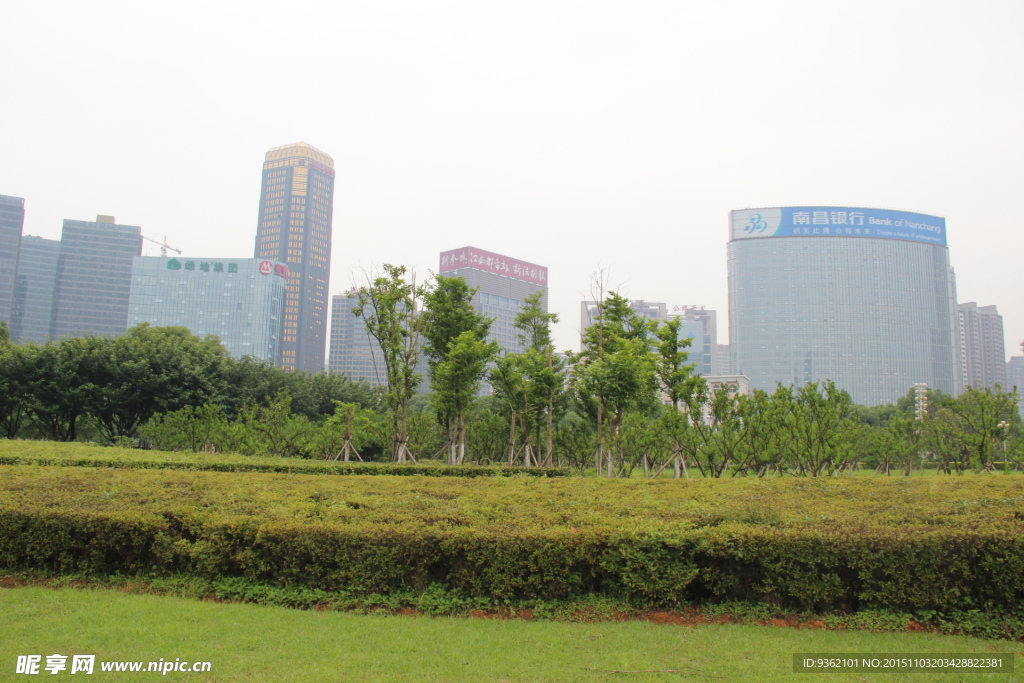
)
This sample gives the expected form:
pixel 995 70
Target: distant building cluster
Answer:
pixel 861 296
pixel 95 281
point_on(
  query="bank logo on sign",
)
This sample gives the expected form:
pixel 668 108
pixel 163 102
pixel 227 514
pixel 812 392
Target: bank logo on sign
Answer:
pixel 266 267
pixel 756 224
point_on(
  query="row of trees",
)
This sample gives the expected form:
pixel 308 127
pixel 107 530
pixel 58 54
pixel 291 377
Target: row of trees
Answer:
pixel 627 401
pixel 108 387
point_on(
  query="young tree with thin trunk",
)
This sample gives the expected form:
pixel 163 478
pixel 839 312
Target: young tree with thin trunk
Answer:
pixel 674 374
pixel 457 353
pixel 390 307
pixel 617 370
pixel 534 327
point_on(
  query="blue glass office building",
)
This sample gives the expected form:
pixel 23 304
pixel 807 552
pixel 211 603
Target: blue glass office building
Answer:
pixel 241 301
pixel 864 297
pixel 94 272
pixel 33 289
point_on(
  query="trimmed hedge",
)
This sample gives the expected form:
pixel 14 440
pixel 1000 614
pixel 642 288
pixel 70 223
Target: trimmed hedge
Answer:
pixel 846 544
pixel 48 453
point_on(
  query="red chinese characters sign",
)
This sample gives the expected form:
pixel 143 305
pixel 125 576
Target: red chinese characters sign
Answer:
pixel 470 257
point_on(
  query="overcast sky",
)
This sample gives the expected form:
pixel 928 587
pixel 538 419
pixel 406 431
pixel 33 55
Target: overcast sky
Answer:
pixel 573 134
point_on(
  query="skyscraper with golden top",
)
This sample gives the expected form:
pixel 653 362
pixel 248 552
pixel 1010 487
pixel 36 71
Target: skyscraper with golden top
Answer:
pixel 296 208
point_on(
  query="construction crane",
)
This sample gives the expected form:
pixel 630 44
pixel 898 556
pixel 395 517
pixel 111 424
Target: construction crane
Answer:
pixel 163 245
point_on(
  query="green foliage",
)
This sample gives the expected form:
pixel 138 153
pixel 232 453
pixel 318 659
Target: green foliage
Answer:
pixel 250 381
pixel 533 324
pixel 150 370
pixel 189 429
pixel 939 546
pixel 618 370
pixel 363 433
pixel 15 375
pixel 532 386
pixel 389 305
pixel 458 356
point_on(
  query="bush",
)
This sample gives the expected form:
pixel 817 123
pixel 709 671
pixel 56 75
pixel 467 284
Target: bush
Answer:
pixel 913 546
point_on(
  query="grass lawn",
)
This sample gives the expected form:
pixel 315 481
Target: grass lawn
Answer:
pixel 253 643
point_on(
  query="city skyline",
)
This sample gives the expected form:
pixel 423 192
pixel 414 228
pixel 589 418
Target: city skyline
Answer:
pixel 574 136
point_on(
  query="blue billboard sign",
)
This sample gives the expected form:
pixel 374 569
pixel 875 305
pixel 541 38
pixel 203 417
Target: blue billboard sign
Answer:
pixel 838 221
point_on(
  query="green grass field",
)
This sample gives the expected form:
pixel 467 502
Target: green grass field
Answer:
pixel 249 643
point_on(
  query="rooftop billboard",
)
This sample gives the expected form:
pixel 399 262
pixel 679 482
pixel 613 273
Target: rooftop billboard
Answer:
pixel 471 257
pixel 837 221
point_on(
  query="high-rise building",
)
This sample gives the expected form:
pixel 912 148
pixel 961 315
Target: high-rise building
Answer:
pixel 864 297
pixel 1015 379
pixel 722 361
pixel 238 300
pixel 502 285
pixel 296 209
pixel 356 354
pixel 94 277
pixel 33 289
pixel 981 346
pixel 12 221
pixel 701 325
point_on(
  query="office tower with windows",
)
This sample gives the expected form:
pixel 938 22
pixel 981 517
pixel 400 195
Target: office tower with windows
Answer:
pixel 353 352
pixel 502 285
pixel 94 277
pixel 981 346
pixel 12 220
pixel 238 300
pixel 296 208
pixel 33 289
pixel 864 297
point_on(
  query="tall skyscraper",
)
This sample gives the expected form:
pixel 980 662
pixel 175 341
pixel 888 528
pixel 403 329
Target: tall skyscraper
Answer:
pixel 296 209
pixel 33 289
pixel 982 346
pixel 238 300
pixel 864 297
pixel 12 220
pixel 502 284
pixel 94 277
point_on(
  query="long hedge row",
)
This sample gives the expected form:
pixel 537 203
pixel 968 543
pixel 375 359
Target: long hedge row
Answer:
pixel 91 455
pixel 926 545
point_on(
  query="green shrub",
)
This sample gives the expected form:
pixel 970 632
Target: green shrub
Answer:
pixel 929 546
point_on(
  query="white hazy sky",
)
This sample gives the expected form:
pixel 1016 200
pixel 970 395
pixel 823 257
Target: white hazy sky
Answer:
pixel 574 134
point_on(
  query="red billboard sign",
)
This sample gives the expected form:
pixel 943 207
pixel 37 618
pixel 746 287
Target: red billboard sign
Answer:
pixel 471 257
pixel 266 267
